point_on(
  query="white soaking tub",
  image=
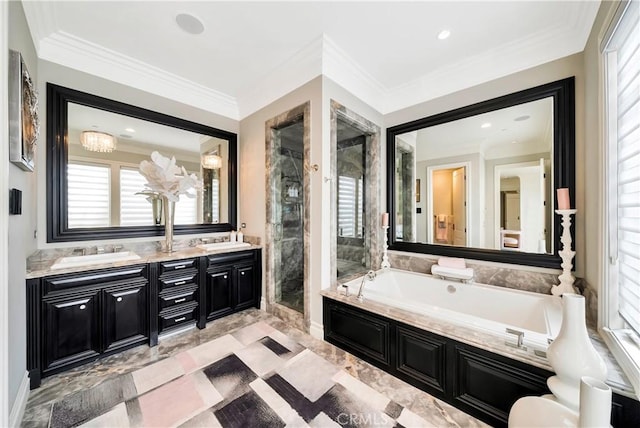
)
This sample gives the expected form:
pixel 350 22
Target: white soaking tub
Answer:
pixel 483 307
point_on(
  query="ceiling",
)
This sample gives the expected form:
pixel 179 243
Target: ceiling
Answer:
pixel 251 53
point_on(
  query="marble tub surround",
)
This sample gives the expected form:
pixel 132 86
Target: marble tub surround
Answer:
pixel 493 343
pixel 40 262
pixel 286 355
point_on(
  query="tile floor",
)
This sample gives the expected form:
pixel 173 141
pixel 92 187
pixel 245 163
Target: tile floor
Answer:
pixel 144 369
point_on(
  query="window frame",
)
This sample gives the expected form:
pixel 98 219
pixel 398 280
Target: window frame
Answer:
pixel 622 341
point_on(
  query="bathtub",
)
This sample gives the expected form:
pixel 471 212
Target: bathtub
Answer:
pixel 483 307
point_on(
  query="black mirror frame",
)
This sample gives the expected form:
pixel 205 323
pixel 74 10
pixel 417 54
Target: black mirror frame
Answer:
pixel 58 98
pixel 563 93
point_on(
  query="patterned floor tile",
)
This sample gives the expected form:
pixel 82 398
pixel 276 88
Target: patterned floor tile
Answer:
pixel 361 390
pixel 248 411
pixel 230 376
pixel 409 419
pixel 205 419
pixel 156 374
pixel 260 359
pixel 87 404
pixel 311 383
pixel 210 352
pixel 116 417
pixel 253 333
pixel 281 408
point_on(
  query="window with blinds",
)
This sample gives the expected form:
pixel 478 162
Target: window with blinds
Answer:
pixel 135 210
pixel 622 59
pixel 186 210
pixel 349 207
pixel 89 202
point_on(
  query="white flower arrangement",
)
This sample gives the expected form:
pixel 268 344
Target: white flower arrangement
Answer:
pixel 166 179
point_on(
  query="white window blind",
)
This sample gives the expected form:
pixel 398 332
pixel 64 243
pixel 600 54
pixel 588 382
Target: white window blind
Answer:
pixel 186 210
pixel 135 210
pixel 88 195
pixel 215 200
pixel 623 97
pixel 349 207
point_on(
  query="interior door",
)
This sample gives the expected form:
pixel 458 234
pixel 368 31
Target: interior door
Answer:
pixel 459 207
pixel 512 211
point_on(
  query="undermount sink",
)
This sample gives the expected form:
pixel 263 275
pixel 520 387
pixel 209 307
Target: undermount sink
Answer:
pixel 94 259
pixel 541 412
pixel 223 245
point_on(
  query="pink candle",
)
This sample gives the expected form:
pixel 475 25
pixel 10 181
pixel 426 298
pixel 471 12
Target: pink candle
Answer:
pixel 563 199
pixel 385 219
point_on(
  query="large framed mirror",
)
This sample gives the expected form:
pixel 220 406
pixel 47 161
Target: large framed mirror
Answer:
pixel 479 182
pixel 94 149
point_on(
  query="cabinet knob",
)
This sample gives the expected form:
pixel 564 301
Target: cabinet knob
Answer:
pixel 241 273
pixel 225 277
pixel 119 299
pixel 82 307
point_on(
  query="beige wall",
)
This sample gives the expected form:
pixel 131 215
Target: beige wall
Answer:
pixel 21 227
pixel 565 67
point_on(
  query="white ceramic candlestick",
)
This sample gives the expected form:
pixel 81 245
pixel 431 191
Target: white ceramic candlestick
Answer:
pixel 566 279
pixel 385 258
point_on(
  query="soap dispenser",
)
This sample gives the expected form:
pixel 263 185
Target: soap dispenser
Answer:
pixel 240 235
pixel 233 236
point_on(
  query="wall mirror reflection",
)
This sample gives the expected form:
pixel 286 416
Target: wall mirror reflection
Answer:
pixel 488 173
pixel 99 188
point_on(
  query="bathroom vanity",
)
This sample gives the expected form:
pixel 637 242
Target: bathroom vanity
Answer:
pixel 87 313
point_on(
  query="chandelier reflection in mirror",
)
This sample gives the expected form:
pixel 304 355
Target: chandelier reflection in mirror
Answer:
pixel 211 161
pixel 95 141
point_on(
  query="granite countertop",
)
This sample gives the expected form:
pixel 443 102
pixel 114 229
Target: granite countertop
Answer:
pixel 616 379
pixel 39 264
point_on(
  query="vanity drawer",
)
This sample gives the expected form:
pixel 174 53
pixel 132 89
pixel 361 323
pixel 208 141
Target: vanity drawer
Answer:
pixel 178 296
pixel 187 278
pixel 177 265
pixel 177 316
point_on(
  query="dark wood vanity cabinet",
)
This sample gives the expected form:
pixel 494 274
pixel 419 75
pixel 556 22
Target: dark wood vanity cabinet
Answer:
pixel 79 317
pixel 232 283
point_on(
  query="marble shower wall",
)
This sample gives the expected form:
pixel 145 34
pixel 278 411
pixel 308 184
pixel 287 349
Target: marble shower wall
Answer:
pixel 501 276
pixel 291 170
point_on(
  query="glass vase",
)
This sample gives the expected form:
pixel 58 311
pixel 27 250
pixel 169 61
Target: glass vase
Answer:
pixel 169 208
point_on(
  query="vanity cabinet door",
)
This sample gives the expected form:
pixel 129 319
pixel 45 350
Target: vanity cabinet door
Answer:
pixel 125 316
pixel 245 287
pixel 71 329
pixel 219 292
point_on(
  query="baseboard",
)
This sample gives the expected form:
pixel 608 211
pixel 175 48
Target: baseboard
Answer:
pixel 316 330
pixel 17 411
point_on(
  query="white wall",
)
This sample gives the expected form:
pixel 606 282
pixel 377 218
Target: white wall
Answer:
pixel 562 68
pixel 21 227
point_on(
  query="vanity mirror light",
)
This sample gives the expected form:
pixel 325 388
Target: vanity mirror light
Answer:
pixel 94 149
pixel 488 173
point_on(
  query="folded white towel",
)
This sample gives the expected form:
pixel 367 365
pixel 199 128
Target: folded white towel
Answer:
pixel 452 262
pixel 463 274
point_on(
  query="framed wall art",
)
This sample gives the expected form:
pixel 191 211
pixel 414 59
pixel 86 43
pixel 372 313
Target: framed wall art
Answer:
pixel 24 126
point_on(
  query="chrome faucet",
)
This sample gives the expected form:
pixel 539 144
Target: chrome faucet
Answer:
pixel 371 275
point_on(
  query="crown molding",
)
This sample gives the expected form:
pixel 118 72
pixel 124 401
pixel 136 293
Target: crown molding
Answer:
pixel 303 66
pixel 73 52
pixel 342 69
pixel 41 19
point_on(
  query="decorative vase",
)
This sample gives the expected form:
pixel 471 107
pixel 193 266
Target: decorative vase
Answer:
pixel 156 208
pixel 169 211
pixel 572 354
pixel 595 403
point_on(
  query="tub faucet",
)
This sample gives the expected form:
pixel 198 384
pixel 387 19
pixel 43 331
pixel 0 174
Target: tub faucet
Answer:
pixel 371 275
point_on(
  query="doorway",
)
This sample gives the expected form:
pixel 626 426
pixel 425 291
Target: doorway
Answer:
pixel 447 204
pixel 287 253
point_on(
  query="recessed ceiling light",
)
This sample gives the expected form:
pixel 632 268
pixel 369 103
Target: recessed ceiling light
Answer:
pixel 189 23
pixel 514 142
pixel 444 34
pixel 521 118
pixel 130 130
pixel 485 125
